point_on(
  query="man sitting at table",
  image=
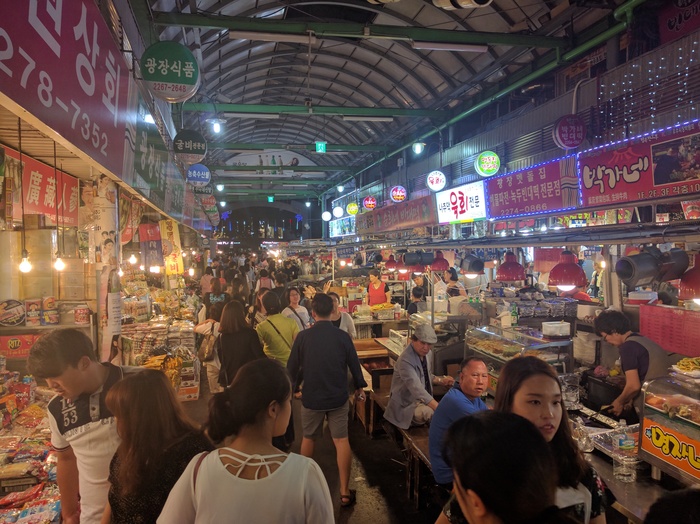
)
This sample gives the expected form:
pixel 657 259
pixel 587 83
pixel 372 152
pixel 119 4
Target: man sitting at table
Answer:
pixel 411 402
pixel 464 398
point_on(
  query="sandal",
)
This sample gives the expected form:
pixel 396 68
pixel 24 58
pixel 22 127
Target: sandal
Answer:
pixel 348 500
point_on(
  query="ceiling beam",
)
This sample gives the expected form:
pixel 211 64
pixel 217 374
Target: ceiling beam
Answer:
pixel 298 169
pixel 274 181
pixel 311 111
pixel 293 147
pixel 271 191
pixel 354 30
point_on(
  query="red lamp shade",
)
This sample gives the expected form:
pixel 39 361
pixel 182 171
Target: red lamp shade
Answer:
pixel 402 267
pixel 440 263
pixel 510 270
pixel 390 264
pixel 689 288
pixel 417 269
pixel 567 274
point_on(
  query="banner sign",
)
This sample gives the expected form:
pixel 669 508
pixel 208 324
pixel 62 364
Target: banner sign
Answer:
pixel 341 227
pixel 671 446
pixel 198 175
pixel 461 204
pixel 61 63
pixel 42 188
pixel 544 188
pixel 344 252
pixel 406 215
pixel 658 165
pixel 172 250
pixel 189 146
pixel 151 246
pixel 678 18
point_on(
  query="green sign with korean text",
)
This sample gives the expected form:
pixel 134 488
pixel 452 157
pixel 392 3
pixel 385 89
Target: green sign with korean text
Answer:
pixel 170 71
pixel 487 163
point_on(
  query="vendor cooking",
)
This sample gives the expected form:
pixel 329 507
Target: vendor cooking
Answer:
pixel 377 291
pixel 641 358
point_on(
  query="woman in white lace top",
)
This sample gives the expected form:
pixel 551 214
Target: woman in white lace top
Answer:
pixel 248 479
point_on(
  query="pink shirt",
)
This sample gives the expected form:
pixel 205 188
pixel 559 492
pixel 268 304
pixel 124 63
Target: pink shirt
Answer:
pixel 205 282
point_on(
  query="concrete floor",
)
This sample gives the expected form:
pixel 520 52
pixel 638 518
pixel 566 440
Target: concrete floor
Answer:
pixel 378 473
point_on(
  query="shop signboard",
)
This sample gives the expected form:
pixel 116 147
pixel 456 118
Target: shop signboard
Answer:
pixel 170 71
pixel 398 194
pixel 671 446
pixel 189 146
pixel 203 190
pixel 150 160
pixel 487 163
pixel 341 227
pixel 345 252
pixel 39 185
pixel 172 250
pixel 569 132
pixel 436 181
pixel 540 189
pixel 151 245
pixel 369 203
pixel 461 204
pixel 406 215
pixel 198 175
pixel 678 18
pixel 61 64
pixel 655 165
pixel 352 208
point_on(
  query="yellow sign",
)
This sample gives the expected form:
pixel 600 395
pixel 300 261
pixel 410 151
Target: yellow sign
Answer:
pixel 352 208
pixel 172 251
pixel 672 447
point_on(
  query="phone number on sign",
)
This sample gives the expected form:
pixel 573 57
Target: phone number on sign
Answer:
pixel 170 88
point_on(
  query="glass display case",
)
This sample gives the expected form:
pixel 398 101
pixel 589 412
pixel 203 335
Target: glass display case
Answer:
pixel 499 345
pixel 670 428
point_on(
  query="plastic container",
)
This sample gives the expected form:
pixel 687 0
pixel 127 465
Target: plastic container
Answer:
pixel 642 297
pixel 397 311
pixel 625 468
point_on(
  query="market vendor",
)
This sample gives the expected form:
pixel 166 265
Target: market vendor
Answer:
pixel 577 294
pixel 641 358
pixel 377 291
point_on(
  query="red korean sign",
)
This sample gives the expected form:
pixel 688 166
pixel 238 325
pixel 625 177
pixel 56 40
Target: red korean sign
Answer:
pixel 544 188
pixel 407 215
pixel 42 189
pixel 60 62
pixel 678 18
pixel 661 165
pixel 369 203
pixel 569 132
pixel 398 194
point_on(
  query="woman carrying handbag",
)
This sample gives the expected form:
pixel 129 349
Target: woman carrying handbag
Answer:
pixel 239 343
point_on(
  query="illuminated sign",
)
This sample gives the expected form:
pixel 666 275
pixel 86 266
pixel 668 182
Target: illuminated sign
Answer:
pixel 352 208
pixel 369 203
pixel 436 180
pixel 487 163
pixel 398 194
pixel 569 132
pixel 198 175
pixel 321 147
pixel 461 204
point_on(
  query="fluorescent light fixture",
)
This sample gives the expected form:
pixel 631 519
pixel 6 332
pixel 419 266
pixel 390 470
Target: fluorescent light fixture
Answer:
pixel 363 118
pixel 272 37
pixel 444 46
pixel 216 127
pixel 148 118
pixel 259 116
pixel 222 203
pixel 341 188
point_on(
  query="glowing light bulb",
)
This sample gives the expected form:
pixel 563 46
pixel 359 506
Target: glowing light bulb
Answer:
pixel 132 259
pixel 216 127
pixel 565 288
pixel 471 276
pixel 120 272
pixel 190 271
pixel 142 267
pixel 59 265
pixel 25 266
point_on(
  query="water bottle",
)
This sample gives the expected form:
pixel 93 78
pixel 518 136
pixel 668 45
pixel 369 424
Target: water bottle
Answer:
pixel 397 311
pixel 624 459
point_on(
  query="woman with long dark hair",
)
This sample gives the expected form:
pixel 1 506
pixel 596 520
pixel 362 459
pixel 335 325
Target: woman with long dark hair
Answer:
pixel 239 344
pixel 247 476
pixel 215 296
pixel 256 312
pixel 157 443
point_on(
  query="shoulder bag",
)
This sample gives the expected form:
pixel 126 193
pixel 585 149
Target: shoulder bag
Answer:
pixel 209 346
pixel 303 324
pixel 280 334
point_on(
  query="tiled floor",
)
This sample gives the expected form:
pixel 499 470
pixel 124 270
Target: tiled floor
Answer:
pixel 378 474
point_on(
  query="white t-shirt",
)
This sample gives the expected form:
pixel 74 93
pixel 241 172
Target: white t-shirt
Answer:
pixel 296 493
pixel 301 317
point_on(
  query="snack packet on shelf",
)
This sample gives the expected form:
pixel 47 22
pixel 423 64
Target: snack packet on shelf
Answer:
pixel 17 499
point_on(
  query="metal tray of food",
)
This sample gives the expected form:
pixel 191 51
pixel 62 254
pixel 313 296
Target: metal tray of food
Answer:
pixel 603 441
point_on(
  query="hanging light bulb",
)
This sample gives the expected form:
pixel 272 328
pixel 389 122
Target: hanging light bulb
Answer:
pixel 120 272
pixel 132 259
pixel 25 266
pixel 59 265
pixel 142 267
pixel 216 127
pixel 190 271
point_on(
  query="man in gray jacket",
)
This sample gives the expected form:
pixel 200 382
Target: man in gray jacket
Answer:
pixel 411 402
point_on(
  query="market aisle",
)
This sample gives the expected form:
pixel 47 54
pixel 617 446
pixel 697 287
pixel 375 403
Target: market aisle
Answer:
pixel 378 473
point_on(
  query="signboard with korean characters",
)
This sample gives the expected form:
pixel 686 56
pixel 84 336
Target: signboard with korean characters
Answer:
pixel 398 194
pixel 352 208
pixel 59 62
pixel 369 203
pixel 569 132
pixel 540 189
pixel 662 164
pixel 170 71
pixel 44 189
pixel 172 250
pixel 189 146
pixel 487 163
pixel 461 204
pixel 198 175
pixel 436 180
pixel 406 215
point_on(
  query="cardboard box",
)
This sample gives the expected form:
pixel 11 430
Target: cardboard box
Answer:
pixel 16 346
pixel 191 393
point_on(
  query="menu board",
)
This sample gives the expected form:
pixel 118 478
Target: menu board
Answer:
pixel 674 329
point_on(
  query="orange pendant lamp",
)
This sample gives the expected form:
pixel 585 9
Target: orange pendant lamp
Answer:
pixel 440 263
pixel 567 274
pixel 510 270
